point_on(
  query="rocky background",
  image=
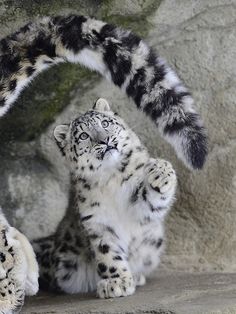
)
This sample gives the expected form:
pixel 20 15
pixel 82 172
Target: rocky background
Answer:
pixel 198 39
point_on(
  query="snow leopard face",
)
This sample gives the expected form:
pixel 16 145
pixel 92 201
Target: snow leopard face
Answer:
pixel 95 140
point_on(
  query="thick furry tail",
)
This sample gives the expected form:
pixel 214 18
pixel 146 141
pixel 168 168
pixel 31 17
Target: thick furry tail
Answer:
pixel 121 57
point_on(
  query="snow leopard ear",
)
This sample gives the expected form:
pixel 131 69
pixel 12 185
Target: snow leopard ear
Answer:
pixel 101 105
pixel 59 133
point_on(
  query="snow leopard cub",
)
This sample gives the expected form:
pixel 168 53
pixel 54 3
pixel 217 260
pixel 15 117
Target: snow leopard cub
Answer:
pixel 112 234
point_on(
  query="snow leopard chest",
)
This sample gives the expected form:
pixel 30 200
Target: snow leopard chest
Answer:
pixel 140 235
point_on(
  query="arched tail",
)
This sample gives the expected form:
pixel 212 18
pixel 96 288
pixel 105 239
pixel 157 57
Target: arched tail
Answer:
pixel 122 58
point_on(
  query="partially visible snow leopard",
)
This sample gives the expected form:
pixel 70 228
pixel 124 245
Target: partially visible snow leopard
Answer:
pixel 18 268
pixel 112 235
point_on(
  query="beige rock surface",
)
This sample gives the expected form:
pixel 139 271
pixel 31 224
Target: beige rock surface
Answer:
pixel 198 38
pixel 165 293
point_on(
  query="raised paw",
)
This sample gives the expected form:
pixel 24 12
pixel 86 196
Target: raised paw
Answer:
pixel 115 287
pixel 161 176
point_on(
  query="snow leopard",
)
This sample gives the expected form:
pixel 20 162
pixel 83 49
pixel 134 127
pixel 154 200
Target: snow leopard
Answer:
pixel 18 268
pixel 124 59
pixel 112 234
pixel 120 56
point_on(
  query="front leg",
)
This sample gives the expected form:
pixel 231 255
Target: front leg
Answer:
pixel 112 266
pixel 160 185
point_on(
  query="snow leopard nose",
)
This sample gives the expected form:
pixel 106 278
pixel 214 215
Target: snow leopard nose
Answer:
pixel 109 147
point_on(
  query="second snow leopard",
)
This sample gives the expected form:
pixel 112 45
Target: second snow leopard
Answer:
pixel 112 235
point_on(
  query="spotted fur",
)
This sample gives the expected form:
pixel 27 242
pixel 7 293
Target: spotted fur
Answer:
pixel 121 57
pixel 113 232
pixel 18 268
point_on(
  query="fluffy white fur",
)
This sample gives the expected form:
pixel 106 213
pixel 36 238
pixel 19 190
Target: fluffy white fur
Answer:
pixel 18 268
pixel 121 198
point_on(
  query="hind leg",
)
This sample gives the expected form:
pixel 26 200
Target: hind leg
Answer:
pixel 65 266
pixel 44 250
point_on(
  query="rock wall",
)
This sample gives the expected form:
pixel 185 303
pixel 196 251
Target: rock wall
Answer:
pixel 198 38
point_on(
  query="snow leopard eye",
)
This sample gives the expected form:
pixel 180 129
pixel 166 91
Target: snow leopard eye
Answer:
pixel 83 136
pixel 105 123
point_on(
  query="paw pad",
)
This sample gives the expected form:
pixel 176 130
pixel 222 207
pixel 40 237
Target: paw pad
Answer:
pixel 115 287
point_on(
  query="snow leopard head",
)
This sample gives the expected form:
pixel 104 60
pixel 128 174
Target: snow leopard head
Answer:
pixel 96 140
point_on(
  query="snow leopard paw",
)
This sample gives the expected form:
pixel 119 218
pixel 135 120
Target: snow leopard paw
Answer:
pixel 161 176
pixel 115 287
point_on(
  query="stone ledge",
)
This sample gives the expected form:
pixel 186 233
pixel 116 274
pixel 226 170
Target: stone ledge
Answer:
pixel 165 293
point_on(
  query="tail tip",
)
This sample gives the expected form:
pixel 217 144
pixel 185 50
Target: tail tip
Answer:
pixel 197 151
